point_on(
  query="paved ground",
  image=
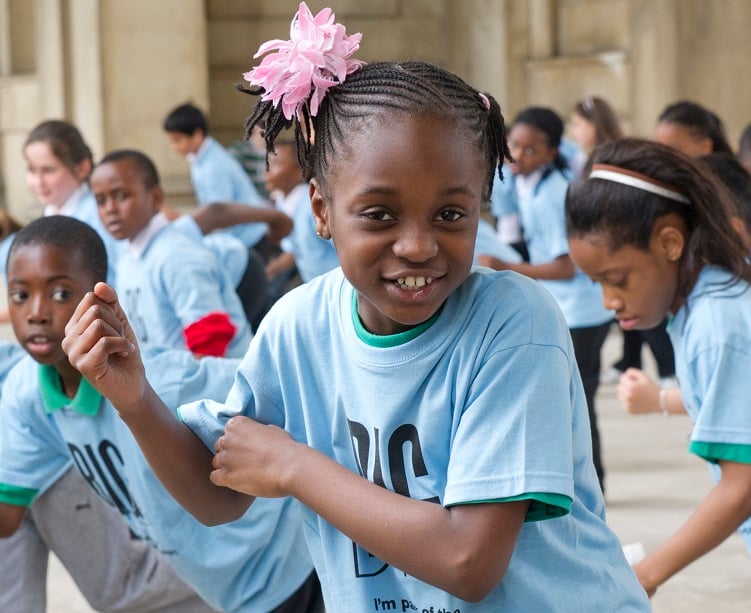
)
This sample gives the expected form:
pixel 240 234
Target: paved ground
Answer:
pixel 652 486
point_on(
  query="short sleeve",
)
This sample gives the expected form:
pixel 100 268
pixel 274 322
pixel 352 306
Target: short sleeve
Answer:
pixel 515 434
pixel 720 389
pixel 33 455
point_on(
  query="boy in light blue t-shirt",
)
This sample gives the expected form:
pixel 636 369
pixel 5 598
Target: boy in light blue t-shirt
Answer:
pixel 175 290
pixel 302 251
pixel 216 174
pixel 256 563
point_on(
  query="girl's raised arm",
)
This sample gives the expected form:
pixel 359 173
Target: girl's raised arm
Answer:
pixel 718 516
pixel 101 345
pixel 464 550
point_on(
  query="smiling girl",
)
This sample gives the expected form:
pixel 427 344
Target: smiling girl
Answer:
pixel 654 229
pixel 429 418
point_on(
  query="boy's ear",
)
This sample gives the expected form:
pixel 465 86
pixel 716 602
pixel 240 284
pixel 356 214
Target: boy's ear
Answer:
pixel 198 136
pixel 320 210
pixel 157 195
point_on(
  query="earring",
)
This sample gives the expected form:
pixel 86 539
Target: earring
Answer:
pixel 318 234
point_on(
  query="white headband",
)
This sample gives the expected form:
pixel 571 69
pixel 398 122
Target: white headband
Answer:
pixel 635 179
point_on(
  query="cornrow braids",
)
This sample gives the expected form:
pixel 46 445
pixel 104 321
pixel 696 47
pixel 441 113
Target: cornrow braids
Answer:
pixel 384 87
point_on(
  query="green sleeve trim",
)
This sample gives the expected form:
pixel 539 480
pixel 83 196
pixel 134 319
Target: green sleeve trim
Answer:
pixel 541 506
pixel 714 452
pixel 17 496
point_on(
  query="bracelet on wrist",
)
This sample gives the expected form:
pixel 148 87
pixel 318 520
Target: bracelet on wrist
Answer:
pixel 663 402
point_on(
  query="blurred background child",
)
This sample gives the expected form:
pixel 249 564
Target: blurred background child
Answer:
pixel 540 177
pixel 214 172
pixel 303 251
pixel 592 122
pixel 174 289
pixel 58 165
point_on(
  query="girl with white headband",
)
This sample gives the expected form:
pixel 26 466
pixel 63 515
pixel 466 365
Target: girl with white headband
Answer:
pixel 654 229
pixel 430 418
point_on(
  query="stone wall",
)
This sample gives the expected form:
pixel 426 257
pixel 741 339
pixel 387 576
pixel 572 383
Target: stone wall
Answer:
pixel 117 67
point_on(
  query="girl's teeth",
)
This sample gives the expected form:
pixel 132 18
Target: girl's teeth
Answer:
pixel 414 281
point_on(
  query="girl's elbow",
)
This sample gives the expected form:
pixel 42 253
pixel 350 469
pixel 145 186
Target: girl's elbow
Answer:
pixel 471 589
pixel 473 583
pixel 217 515
pixel 7 531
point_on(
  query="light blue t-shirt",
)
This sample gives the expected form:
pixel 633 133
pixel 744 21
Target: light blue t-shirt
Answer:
pixel 313 255
pixel 10 354
pixel 543 219
pixel 711 336
pixel 251 564
pixel 174 283
pixel 485 404
pixel 231 252
pixel 217 176
pixel 575 157
pixel 4 251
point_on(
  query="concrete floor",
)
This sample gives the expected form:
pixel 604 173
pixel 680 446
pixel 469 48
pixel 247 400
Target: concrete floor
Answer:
pixel 653 484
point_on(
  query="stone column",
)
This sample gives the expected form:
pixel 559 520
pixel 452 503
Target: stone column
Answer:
pixel 654 62
pixel 153 57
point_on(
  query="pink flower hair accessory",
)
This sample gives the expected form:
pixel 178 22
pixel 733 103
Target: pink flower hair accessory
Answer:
pixel 314 59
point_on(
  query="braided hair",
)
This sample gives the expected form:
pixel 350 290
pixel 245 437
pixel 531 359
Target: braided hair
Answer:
pixel 379 88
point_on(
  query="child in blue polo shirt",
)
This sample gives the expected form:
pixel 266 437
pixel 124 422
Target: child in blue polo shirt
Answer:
pixel 215 173
pixel 176 291
pixel 53 416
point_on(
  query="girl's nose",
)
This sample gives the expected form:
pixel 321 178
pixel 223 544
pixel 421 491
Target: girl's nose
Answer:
pixel 611 300
pixel 416 245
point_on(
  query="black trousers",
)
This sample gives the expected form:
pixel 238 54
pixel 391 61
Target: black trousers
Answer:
pixel 587 347
pixel 253 290
pixel 307 599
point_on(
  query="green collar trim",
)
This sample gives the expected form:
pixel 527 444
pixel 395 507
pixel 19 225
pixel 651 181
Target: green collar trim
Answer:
pixel 388 340
pixel 86 401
